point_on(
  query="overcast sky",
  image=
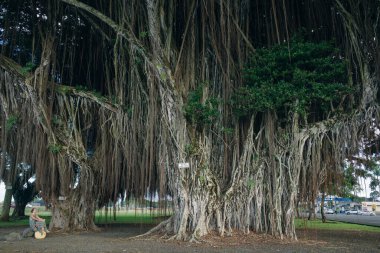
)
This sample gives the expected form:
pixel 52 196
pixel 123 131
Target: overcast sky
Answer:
pixel 2 191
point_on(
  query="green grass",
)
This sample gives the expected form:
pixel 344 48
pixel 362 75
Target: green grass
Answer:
pixel 14 223
pixel 129 217
pixel 122 217
pixel 333 225
pixel 146 217
pixel 21 222
pixel 45 214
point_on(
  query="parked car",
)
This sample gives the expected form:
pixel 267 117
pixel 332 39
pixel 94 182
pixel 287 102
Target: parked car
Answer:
pixel 352 212
pixel 366 213
pixel 330 211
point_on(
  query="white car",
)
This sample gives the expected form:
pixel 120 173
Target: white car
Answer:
pixel 352 212
pixel 330 211
pixel 366 213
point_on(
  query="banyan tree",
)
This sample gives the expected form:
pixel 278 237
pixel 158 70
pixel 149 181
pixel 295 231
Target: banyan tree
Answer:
pixel 263 99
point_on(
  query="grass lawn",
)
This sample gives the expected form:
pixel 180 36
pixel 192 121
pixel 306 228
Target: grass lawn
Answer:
pixel 138 216
pixel 25 222
pixel 130 216
pixel 333 225
pixel 143 216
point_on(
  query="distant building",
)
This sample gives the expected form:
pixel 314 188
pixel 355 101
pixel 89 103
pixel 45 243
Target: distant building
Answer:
pixel 335 201
pixel 371 206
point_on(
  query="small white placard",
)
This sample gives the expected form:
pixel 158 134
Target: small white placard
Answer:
pixel 61 198
pixel 8 187
pixel 183 165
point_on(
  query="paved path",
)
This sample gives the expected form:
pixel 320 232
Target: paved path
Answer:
pixel 358 219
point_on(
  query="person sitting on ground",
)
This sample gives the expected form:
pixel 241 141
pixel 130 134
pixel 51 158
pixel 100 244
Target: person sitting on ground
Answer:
pixel 37 223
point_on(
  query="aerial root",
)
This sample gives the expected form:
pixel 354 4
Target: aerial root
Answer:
pixel 194 239
pixel 159 228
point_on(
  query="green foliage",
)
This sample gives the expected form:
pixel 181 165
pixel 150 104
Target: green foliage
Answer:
pixel 143 34
pixel 114 100
pixel 198 113
pixel 350 182
pixel 250 183
pixel 11 122
pixel 99 95
pixel 64 90
pixel 128 110
pixel 228 131
pixel 202 179
pixel 374 184
pixel 81 88
pixel 28 68
pixel 55 148
pixel 56 120
pixel 294 77
pixel 374 194
pixel 191 149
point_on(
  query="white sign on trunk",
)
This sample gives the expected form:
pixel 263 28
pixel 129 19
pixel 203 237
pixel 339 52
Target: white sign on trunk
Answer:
pixel 61 198
pixel 8 187
pixel 183 165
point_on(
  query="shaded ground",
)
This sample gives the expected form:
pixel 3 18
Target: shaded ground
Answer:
pixel 115 239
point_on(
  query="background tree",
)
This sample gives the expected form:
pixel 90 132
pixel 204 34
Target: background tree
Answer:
pixel 23 190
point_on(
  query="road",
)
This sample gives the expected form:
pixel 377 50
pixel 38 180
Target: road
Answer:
pixel 358 219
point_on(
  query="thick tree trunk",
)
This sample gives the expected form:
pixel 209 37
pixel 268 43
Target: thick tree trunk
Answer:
pixel 323 207
pixel 74 214
pixel 19 210
pixel 75 209
pixel 6 205
pixel 310 206
pixel 197 207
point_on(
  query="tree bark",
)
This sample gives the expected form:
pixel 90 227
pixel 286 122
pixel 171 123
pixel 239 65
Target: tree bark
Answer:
pixel 75 209
pixel 19 210
pixel 68 215
pixel 310 205
pixel 323 207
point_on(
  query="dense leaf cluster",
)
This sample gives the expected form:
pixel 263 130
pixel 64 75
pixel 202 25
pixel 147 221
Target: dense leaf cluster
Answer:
pixel 200 113
pixel 298 77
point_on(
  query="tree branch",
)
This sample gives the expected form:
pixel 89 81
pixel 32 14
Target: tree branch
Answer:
pixel 160 65
pixel 10 66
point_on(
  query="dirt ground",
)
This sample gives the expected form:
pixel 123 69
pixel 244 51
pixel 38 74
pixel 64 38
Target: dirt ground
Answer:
pixel 117 238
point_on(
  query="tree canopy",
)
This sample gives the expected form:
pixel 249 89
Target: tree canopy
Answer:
pixel 304 77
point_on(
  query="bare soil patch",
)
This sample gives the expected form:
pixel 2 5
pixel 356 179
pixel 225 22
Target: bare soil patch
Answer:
pixel 118 238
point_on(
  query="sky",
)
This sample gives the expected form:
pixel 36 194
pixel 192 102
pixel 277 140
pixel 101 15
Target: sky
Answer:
pixel 2 191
